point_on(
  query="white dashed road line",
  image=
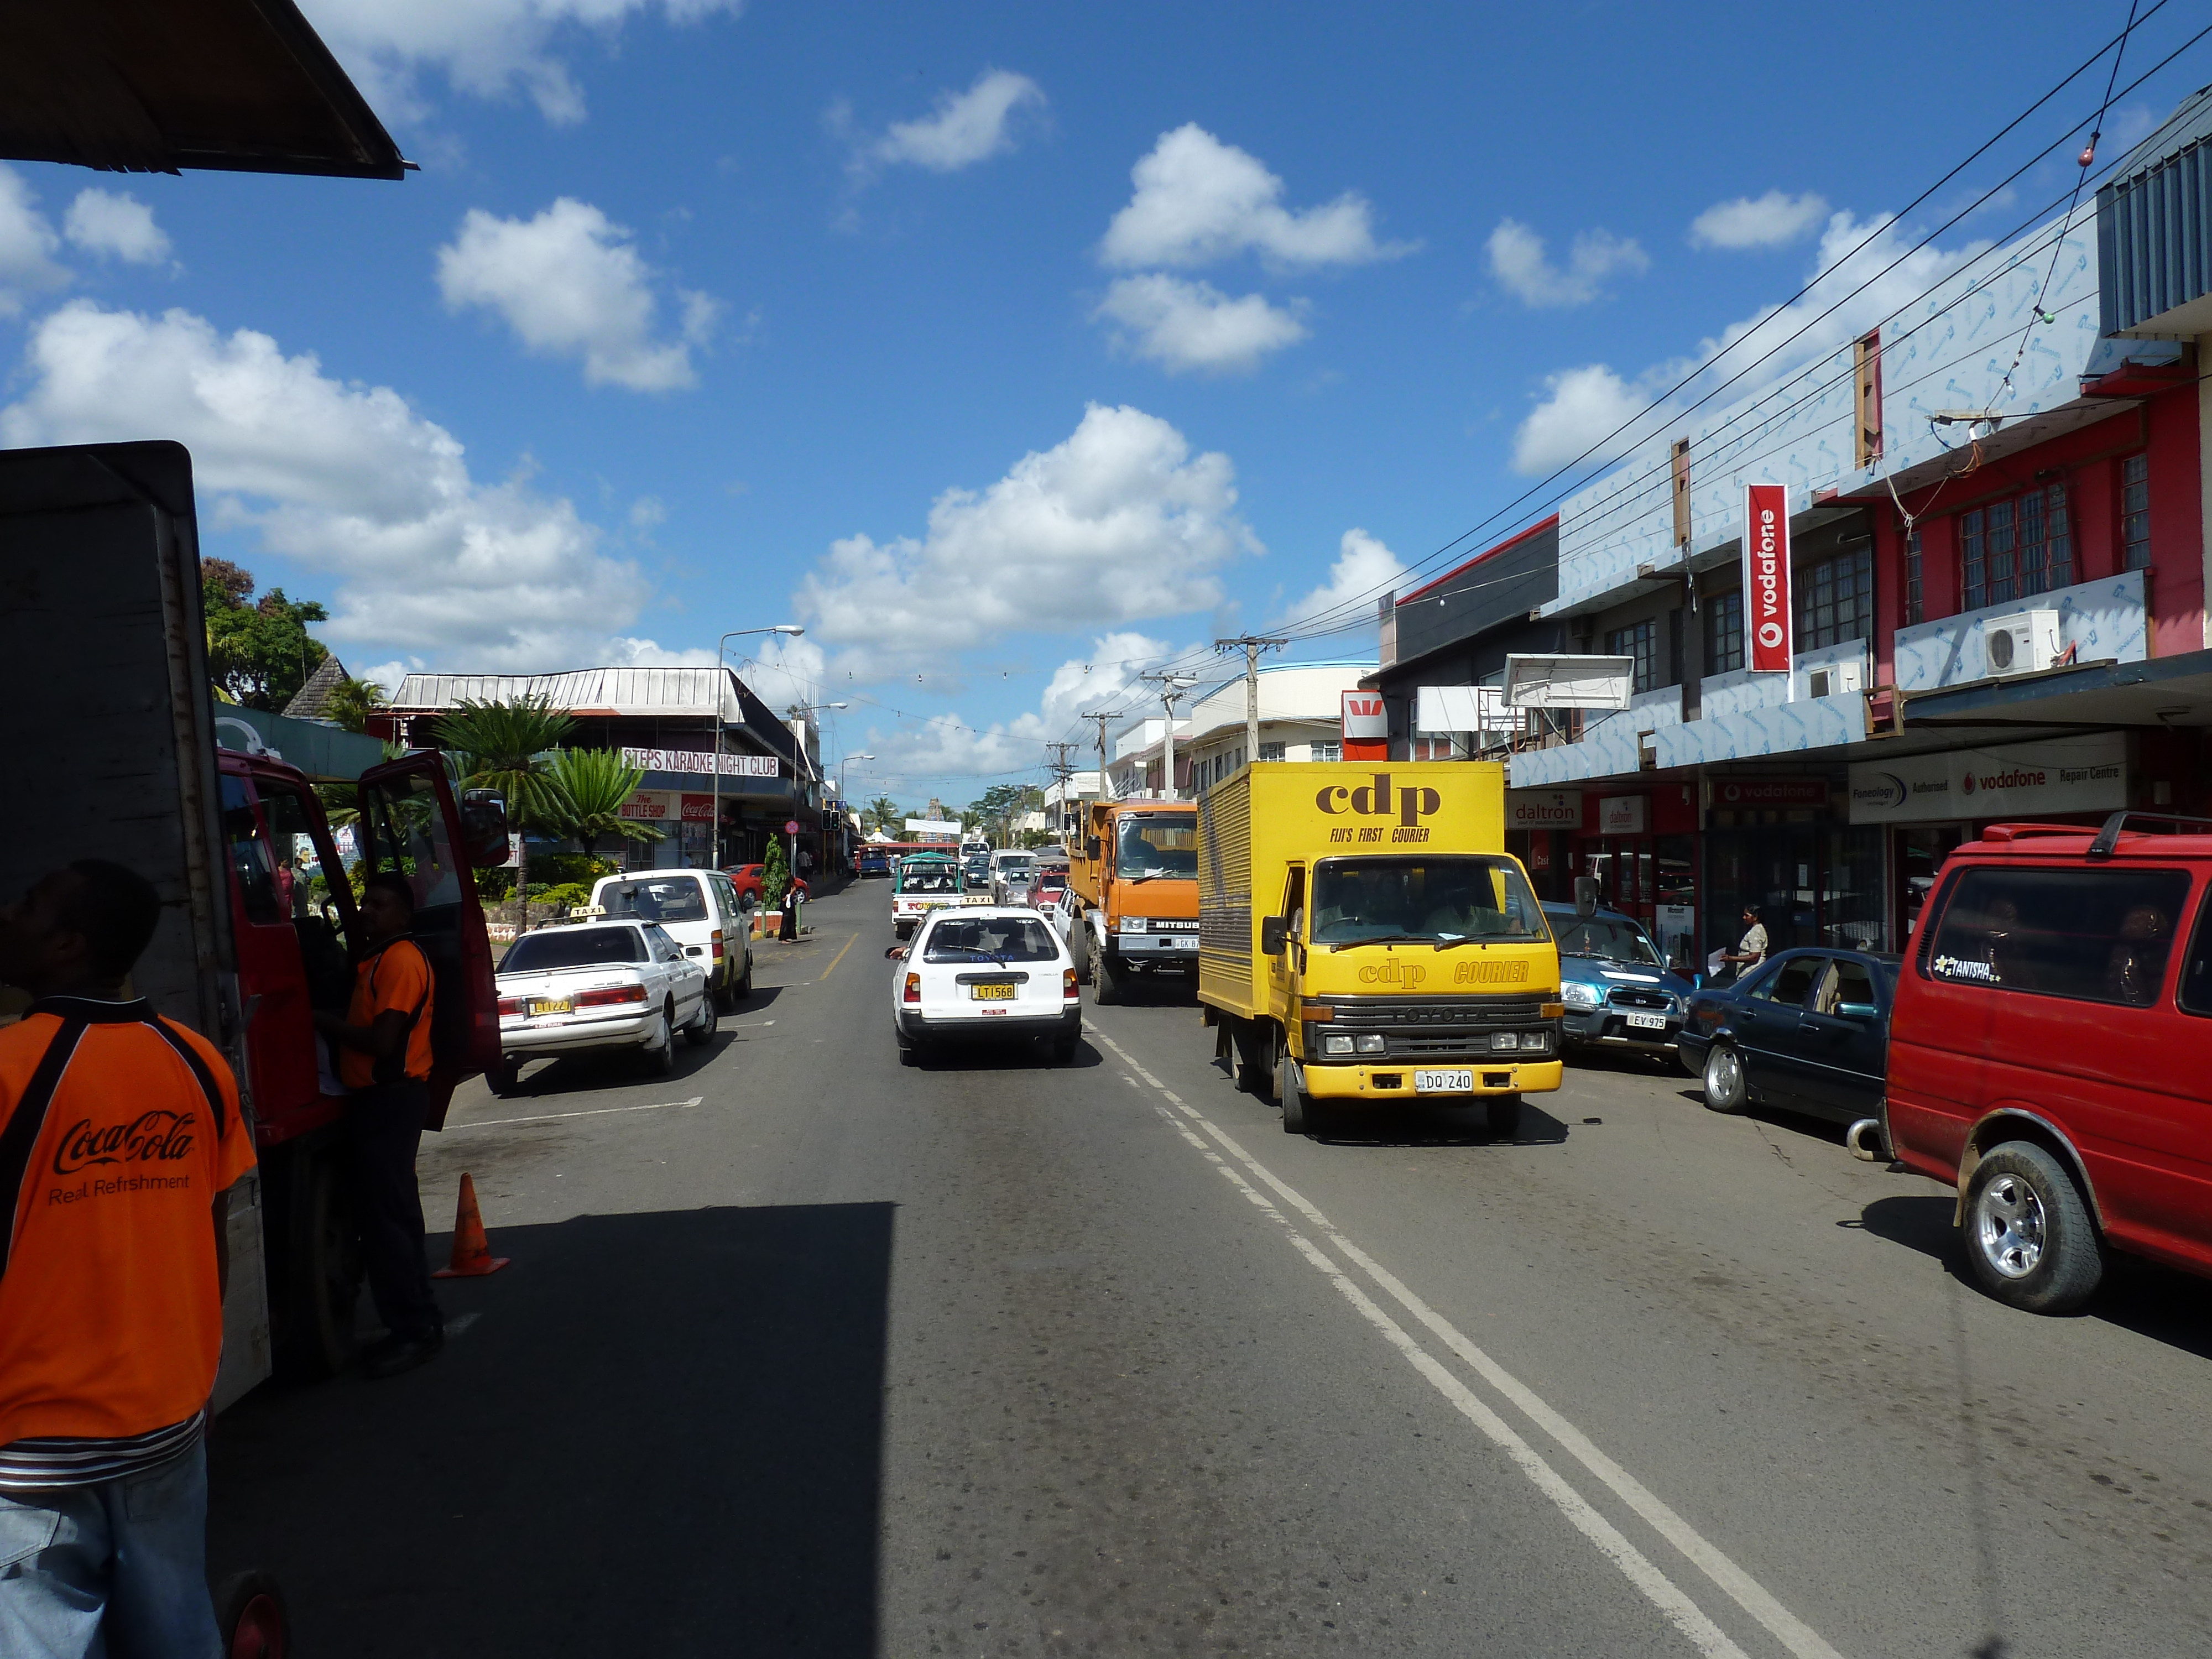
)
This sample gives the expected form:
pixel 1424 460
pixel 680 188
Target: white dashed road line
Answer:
pixel 555 1117
pixel 1800 1639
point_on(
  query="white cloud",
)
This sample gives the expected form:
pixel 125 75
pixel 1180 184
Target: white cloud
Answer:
pixel 1185 325
pixel 1768 221
pixel 1119 522
pixel 1199 200
pixel 115 227
pixel 1364 570
pixel 343 478
pixel 1518 261
pixel 486 47
pixel 27 246
pixel 967 127
pixel 1580 407
pixel 569 284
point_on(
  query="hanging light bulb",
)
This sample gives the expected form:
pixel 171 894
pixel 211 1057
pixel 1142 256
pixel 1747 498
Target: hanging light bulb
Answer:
pixel 2089 149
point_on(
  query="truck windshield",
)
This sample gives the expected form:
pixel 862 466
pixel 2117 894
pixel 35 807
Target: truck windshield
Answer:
pixel 1612 939
pixel 676 898
pixel 1157 844
pixel 571 947
pixel 1357 900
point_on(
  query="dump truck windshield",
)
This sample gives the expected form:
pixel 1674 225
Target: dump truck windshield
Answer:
pixel 1157 844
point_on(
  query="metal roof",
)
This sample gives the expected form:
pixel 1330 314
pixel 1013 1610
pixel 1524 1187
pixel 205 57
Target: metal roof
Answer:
pixel 665 692
pixel 156 86
pixel 2154 229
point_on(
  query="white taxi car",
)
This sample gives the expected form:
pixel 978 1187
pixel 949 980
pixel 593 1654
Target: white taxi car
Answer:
pixel 998 973
pixel 599 982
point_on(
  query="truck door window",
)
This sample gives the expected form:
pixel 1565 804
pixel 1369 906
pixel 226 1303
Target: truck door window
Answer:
pixel 407 833
pixel 252 863
pixel 1294 896
pixel 304 886
pixel 2090 935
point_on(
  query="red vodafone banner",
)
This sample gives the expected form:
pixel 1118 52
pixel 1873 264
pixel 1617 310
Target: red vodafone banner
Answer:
pixel 1766 627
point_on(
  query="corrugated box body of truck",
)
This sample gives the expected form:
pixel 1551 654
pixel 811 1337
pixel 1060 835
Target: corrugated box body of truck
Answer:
pixel 1252 826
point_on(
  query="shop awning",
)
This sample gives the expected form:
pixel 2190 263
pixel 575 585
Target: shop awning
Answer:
pixel 156 86
pixel 2162 691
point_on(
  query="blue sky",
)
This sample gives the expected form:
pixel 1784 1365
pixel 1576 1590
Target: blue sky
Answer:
pixel 701 317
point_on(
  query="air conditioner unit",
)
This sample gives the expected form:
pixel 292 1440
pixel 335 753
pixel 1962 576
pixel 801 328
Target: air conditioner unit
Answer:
pixel 1837 679
pixel 2022 642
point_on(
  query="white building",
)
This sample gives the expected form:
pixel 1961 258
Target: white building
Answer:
pixel 1300 719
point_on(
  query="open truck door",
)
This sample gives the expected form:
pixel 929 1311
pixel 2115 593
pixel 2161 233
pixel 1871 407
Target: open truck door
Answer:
pixel 412 822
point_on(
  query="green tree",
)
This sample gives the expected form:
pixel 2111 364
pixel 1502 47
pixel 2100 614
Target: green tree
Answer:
pixel 882 813
pixel 260 652
pixel 594 783
pixel 505 744
pixel 352 701
pixel 776 876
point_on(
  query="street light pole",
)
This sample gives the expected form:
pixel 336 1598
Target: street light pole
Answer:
pixel 1172 686
pixel 722 681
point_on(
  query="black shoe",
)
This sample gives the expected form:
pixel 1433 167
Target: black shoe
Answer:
pixel 398 1354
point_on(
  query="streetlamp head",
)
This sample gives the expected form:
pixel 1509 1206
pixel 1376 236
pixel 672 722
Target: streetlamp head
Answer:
pixel 791 628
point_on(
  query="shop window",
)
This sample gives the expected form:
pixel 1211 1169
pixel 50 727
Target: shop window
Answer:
pixel 1272 751
pixel 1641 641
pixel 1915 607
pixel 1724 632
pixel 2135 512
pixel 1835 599
pixel 1328 749
pixel 2009 550
pixel 1429 749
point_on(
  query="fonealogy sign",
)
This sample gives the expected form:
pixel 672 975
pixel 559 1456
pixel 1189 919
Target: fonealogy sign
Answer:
pixel 2065 775
pixel 1767 578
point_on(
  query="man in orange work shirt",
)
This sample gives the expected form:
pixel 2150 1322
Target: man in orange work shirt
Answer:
pixel 384 1060
pixel 120 1137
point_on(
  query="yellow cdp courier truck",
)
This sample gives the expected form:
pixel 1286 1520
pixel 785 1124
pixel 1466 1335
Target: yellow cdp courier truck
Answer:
pixel 1365 939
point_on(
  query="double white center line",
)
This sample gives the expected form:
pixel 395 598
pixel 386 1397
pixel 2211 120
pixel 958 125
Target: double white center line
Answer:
pixel 1797 1638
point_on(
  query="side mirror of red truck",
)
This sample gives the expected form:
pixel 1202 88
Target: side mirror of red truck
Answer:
pixel 1273 930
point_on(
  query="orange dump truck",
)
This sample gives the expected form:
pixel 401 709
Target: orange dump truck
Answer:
pixel 1134 870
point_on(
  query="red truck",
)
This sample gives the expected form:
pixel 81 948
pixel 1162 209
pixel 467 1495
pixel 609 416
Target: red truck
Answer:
pixel 105 676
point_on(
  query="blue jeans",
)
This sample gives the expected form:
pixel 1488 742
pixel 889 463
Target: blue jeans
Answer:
pixel 114 1570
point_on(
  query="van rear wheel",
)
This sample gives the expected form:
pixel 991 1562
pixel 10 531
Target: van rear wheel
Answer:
pixel 2029 1236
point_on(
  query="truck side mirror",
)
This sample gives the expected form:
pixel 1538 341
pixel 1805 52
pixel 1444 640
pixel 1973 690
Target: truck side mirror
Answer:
pixel 1091 847
pixel 484 828
pixel 1585 895
pixel 1273 930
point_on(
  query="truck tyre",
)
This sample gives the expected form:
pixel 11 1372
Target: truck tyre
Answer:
pixel 1725 1085
pixel 315 1272
pixel 1082 956
pixel 251 1617
pixel 744 986
pixel 1105 979
pixel 1503 1114
pixel 1255 1043
pixel 2029 1236
pixel 504 1077
pixel 704 1024
pixel 1301 1117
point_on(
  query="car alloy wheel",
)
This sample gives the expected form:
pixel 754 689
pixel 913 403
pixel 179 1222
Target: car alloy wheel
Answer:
pixel 2009 1226
pixel 1724 1087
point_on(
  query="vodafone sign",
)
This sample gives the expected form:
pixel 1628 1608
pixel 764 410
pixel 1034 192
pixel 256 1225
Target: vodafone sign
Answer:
pixel 1767 645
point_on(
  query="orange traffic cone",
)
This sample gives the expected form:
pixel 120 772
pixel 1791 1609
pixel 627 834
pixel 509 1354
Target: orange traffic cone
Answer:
pixel 472 1257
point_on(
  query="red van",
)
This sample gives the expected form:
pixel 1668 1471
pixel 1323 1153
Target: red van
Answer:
pixel 2051 1052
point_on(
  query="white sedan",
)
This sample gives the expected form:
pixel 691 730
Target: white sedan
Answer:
pixel 999 974
pixel 579 986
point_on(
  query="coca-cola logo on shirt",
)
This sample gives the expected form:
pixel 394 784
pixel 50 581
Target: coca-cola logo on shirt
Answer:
pixel 154 1137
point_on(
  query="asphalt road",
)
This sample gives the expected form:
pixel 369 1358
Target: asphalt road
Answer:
pixel 802 1353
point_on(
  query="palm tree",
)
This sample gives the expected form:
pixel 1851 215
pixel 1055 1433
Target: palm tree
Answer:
pixel 882 813
pixel 351 703
pixel 505 744
pixel 594 783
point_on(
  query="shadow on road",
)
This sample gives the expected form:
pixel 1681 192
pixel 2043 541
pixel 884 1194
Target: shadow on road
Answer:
pixel 1435 1126
pixel 980 1054
pixel 663 1437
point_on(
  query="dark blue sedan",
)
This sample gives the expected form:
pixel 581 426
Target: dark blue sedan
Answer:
pixel 1807 1030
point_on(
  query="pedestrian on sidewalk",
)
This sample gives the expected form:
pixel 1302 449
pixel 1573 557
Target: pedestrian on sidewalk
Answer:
pixel 120 1139
pixel 384 1060
pixel 1751 951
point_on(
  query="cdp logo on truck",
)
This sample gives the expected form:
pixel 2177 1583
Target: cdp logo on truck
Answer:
pixel 1374 800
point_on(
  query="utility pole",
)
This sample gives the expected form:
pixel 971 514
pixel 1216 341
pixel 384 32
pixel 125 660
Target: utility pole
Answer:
pixel 1061 772
pixel 1103 717
pixel 1252 645
pixel 1172 686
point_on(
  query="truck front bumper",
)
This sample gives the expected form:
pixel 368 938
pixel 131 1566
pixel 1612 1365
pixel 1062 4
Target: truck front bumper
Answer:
pixel 1394 1080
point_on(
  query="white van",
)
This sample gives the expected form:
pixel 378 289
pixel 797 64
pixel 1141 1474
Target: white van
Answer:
pixel 1010 862
pixel 700 910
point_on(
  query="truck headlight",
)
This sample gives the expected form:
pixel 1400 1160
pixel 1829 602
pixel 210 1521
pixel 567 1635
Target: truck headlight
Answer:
pixel 1504 1040
pixel 1374 1043
pixel 1131 925
pixel 1576 995
pixel 1536 1042
pixel 1336 1042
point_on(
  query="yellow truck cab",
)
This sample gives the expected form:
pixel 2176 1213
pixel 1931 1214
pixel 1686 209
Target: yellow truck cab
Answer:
pixel 1134 872
pixel 1365 939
